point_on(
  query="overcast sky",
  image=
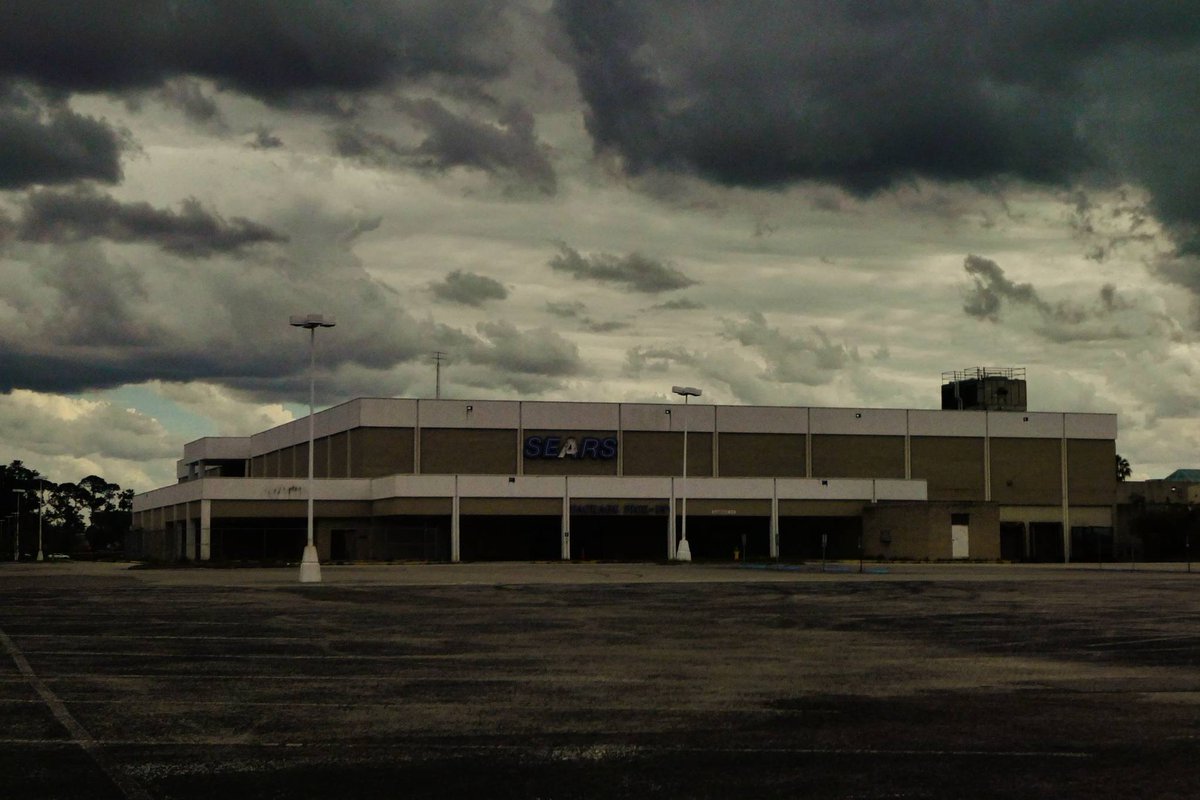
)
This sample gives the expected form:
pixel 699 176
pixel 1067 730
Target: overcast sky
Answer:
pixel 785 203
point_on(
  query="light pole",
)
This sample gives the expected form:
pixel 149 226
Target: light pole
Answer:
pixel 684 551
pixel 41 508
pixel 310 565
pixel 17 540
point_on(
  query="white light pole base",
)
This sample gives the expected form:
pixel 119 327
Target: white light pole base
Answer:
pixel 310 567
pixel 40 557
pixel 683 552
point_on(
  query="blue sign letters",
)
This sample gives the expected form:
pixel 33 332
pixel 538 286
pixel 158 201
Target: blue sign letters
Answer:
pixel 592 447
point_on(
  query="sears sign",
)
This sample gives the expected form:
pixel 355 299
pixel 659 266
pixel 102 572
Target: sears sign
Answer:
pixel 575 447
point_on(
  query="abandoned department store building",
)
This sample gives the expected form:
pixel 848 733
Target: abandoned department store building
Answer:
pixel 450 480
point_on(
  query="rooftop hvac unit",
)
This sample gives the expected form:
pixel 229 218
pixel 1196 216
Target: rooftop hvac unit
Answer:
pixel 984 389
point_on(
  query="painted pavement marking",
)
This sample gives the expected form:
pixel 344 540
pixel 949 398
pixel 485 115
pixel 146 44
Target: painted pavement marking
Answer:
pixel 79 734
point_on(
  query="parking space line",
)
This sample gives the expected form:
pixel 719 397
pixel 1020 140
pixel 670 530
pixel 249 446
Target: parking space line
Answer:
pixel 584 753
pixel 79 734
pixel 1110 644
pixel 147 655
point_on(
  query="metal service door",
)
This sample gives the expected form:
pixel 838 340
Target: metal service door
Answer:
pixel 959 541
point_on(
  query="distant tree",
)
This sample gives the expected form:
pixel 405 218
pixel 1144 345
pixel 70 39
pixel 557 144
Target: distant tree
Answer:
pixel 16 472
pixel 65 507
pixel 110 511
pixel 1123 469
pixel 19 492
pixel 92 513
pixel 18 476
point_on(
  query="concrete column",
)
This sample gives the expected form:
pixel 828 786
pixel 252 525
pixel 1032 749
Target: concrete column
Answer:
pixel 987 460
pixel 164 535
pixel 907 448
pixel 520 438
pixel 190 529
pixel 205 530
pixel 566 522
pixel 716 445
pixel 808 444
pixel 774 519
pixel 671 523
pixel 455 541
pixel 620 443
pixel 1066 505
pixel 416 442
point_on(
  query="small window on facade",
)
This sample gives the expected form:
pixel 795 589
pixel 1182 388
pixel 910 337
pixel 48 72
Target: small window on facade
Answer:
pixel 960 519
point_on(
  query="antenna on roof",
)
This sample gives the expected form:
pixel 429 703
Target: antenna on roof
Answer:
pixel 438 356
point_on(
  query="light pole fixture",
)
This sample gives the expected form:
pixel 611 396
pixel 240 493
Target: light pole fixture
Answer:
pixel 683 552
pixel 17 539
pixel 310 565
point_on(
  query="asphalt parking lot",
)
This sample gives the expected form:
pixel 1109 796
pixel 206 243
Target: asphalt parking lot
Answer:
pixel 583 680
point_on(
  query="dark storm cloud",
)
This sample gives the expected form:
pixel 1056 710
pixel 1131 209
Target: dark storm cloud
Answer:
pixel 93 329
pixel 991 288
pixel 539 351
pixel 510 148
pixel 114 339
pixel 578 311
pixel 1182 270
pixel 1062 321
pixel 270 49
pixel 604 326
pixel 95 301
pixel 265 140
pixel 187 96
pixel 812 360
pixel 678 304
pixel 468 288
pixel 865 95
pixel 1105 230
pixel 362 226
pixel 862 95
pixel 636 271
pixel 101 324
pixel 508 151
pixel 98 323
pixel 83 213
pixel 374 149
pixel 73 371
pixel 44 142
pixel 567 310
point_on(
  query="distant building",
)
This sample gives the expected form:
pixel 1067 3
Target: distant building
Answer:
pixel 1158 519
pixel 450 480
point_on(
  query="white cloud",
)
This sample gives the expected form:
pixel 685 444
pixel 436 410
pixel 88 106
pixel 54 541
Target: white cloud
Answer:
pixel 67 438
pixel 230 414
